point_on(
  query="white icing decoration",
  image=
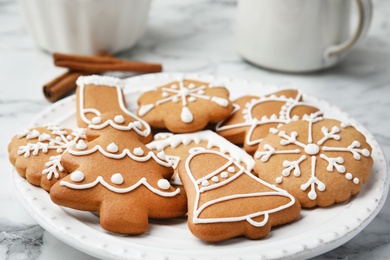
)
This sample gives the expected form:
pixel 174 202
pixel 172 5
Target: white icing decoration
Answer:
pixel 112 148
pixel 186 115
pixel 250 120
pixel 96 120
pixel 119 119
pixel 118 84
pixel 56 141
pixel 205 183
pixel 224 175
pixel 313 151
pixel 213 140
pixel 215 179
pixel 182 93
pixel 231 169
pixel 77 176
pixel 163 184
pixel 249 217
pixel 81 145
pixel 117 178
pixel 143 110
pixel 100 180
pixel 138 151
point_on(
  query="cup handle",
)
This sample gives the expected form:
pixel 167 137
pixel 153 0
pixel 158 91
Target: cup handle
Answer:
pixel 364 8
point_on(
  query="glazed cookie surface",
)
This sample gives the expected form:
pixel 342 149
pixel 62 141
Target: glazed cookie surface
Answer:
pixel 36 153
pixel 184 106
pixel 320 161
pixel 253 116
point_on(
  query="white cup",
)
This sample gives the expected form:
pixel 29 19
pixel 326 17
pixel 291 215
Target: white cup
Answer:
pixel 85 26
pixel 298 35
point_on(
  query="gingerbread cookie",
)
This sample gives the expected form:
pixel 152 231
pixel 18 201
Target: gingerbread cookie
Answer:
pixel 100 94
pixel 225 199
pixel 185 105
pixel 253 116
pixel 116 175
pixel 36 153
pixel 319 161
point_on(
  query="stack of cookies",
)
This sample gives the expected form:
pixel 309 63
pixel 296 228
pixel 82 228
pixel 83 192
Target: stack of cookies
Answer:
pixel 234 168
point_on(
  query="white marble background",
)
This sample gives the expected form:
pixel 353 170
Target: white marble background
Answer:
pixel 189 36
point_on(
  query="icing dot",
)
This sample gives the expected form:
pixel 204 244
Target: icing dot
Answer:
pixel 51 143
pixel 273 130
pixel 312 149
pixel 165 94
pixel 112 147
pixel 81 145
pixel 96 120
pixel 161 155
pixel 59 150
pixel 215 179
pixel 77 176
pixel 173 86
pixel 192 99
pixel 205 183
pixel 312 195
pixel 58 139
pixel 163 184
pixel 117 178
pixel 191 85
pixel 175 99
pixel 137 124
pixel 119 119
pixel 224 175
pixel 279 180
pixel 231 169
pixel 200 92
pixel 69 137
pixel 366 152
pixel 348 176
pixel 356 180
pixel 138 151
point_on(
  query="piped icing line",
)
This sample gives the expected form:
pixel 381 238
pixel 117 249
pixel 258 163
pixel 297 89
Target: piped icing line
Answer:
pixel 116 83
pixel 136 126
pixel 176 93
pixel 61 143
pixel 100 180
pixel 198 210
pixel 213 140
pixel 312 150
pixel 252 122
pixel 125 152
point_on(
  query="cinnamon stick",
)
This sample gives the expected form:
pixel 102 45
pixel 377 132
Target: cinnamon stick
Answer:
pixel 61 85
pixel 99 64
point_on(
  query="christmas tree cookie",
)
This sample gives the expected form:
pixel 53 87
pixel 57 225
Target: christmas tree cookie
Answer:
pixel 320 161
pixel 253 116
pixel 118 176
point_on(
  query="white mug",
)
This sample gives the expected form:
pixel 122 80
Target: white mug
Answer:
pixel 85 26
pixel 298 35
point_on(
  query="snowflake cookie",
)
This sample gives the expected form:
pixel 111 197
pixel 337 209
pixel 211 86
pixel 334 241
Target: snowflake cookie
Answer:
pixel 319 161
pixel 253 116
pixel 116 175
pixel 185 106
pixel 36 153
pixel 225 198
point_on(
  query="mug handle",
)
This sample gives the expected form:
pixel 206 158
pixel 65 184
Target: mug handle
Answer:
pixel 364 8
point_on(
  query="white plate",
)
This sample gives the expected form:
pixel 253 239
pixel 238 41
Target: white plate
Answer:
pixel 315 232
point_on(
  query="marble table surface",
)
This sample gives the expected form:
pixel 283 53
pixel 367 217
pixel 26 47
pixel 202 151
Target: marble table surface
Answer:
pixel 196 37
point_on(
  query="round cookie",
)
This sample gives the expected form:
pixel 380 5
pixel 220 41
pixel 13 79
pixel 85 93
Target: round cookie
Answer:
pixel 319 161
pixel 253 116
pixel 36 153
